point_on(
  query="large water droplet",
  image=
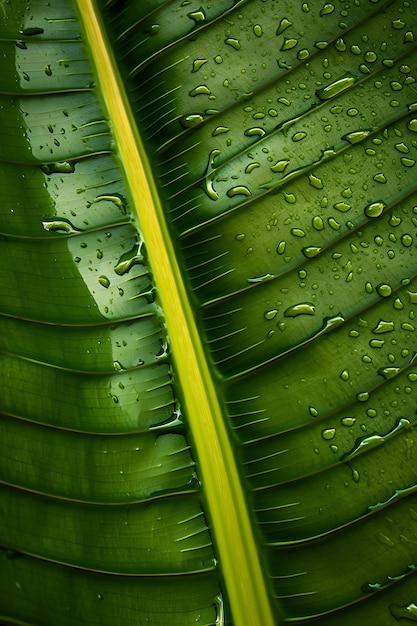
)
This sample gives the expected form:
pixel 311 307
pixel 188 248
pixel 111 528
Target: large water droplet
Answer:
pixel 375 209
pixel 60 226
pixel 336 87
pixel 127 260
pixel 303 308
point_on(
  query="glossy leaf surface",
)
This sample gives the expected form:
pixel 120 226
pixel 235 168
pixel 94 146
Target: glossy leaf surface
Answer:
pixel 280 148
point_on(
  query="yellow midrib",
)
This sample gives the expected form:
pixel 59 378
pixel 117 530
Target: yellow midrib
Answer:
pixel 235 542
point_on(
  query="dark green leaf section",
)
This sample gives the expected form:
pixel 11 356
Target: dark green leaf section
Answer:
pixel 284 142
pixel 96 472
pixel 30 588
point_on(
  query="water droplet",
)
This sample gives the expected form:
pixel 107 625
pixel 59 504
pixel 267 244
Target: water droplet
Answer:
pixel 280 165
pixel 388 372
pixel 412 125
pixel 344 375
pixel 343 207
pixel 336 87
pixel 407 162
pixel 60 167
pixel 209 175
pixel 252 166
pixel 315 181
pixel 197 16
pixel 289 44
pixel 340 45
pixel 239 190
pixel 303 54
pixel 363 396
pixel 230 41
pixel 197 64
pixel 283 25
pixel 383 327
pixel 191 120
pixel 406 240
pixel 220 130
pixel 115 198
pixel 303 308
pixel 103 280
pixel 60 226
pixel 326 9
pixel 348 421
pixel 356 136
pixel 374 209
pixel 270 315
pixel 384 290
pixel 311 251
pixel 318 223
pixel 128 259
pixel 257 29
pixel 48 70
pixel 328 433
pixel 299 136
pixel 377 343
pixel 256 131
pixel 199 90
pixel 380 178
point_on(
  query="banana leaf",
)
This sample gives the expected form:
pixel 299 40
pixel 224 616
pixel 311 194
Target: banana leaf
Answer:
pixel 208 333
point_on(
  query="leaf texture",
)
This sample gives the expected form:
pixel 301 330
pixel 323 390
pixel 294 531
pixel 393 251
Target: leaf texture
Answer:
pixel 283 144
pixel 281 141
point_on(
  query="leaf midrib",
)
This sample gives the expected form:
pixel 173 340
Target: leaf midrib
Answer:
pixel 222 488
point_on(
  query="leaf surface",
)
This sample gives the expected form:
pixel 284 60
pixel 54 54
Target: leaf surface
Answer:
pixel 257 181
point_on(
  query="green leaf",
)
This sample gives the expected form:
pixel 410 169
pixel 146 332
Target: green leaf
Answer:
pixel 208 334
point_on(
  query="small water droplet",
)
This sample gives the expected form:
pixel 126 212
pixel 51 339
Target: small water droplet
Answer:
pixel 315 181
pixel 257 29
pixel 348 421
pixel 344 375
